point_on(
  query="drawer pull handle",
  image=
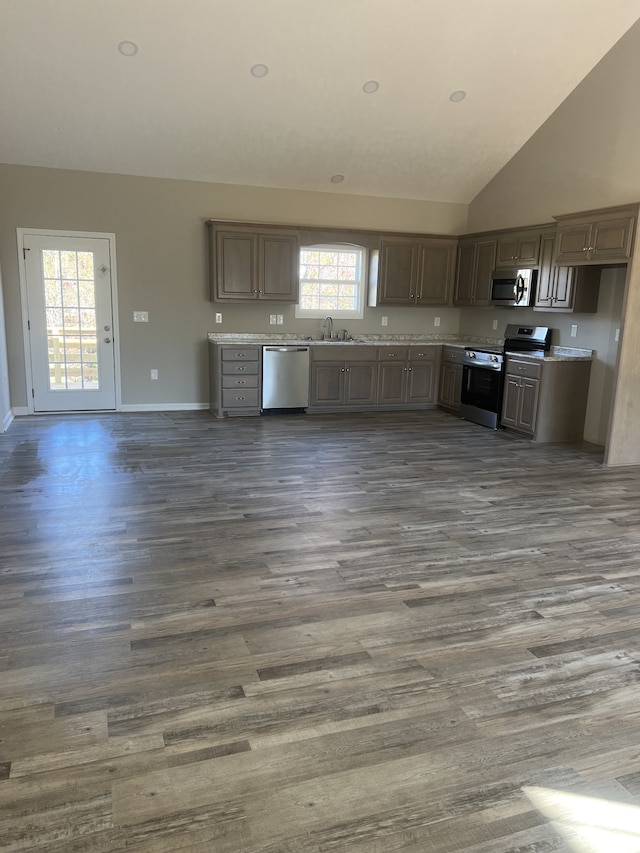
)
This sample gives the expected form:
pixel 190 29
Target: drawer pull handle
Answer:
pixel 240 367
pixel 240 398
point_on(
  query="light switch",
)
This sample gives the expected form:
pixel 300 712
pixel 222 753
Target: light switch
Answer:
pixel 574 330
pixel 385 321
pixel 272 319
pixel 436 321
pixel 140 316
pixel 280 319
pixel 218 318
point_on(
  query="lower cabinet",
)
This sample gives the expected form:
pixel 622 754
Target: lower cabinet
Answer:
pixel 234 380
pixel 365 378
pixel 407 375
pixel 546 400
pixel 450 388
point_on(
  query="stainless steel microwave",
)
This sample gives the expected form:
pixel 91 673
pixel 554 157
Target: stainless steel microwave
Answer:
pixel 513 288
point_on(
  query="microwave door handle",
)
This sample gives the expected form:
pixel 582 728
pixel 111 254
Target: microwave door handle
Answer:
pixel 519 289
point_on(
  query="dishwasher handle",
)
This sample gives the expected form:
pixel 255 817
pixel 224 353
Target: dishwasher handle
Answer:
pixel 286 349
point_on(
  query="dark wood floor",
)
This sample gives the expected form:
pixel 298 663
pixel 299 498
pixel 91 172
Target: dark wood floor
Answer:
pixel 315 635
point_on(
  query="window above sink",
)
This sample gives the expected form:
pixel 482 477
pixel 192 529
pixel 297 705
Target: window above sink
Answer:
pixel 332 281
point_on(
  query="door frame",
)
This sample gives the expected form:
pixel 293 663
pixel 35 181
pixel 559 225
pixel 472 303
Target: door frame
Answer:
pixel 58 232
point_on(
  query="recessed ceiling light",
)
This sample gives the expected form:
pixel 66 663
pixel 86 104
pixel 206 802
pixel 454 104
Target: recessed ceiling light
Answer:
pixel 337 179
pixel 458 95
pixel 371 86
pixel 128 48
pixel 259 70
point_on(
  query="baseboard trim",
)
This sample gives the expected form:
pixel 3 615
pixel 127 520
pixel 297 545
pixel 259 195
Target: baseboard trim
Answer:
pixel 163 407
pixel 6 421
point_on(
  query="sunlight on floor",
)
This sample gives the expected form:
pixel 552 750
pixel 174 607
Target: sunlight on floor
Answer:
pixel 588 824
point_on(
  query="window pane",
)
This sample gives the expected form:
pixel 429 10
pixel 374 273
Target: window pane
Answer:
pixel 87 294
pixel 51 263
pixel 329 273
pixel 309 272
pixel 328 258
pixel 347 273
pixel 70 293
pixel 68 263
pixel 85 265
pixel 309 303
pixel 54 318
pixel 52 293
pixel 328 289
pixel 327 303
pixel 308 288
pixel 309 257
pixel 347 258
pixel 71 319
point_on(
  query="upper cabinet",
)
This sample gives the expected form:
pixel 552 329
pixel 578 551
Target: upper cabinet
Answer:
pixel 518 249
pixel 415 271
pixel 563 288
pixel 596 236
pixel 253 262
pixel 476 262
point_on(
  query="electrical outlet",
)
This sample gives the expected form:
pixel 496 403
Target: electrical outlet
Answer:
pixel 280 319
pixel 140 316
pixel 154 374
pixel 436 321
pixel 617 338
pixel 272 319
pixel 495 325
pixel 385 321
pixel 574 330
pixel 218 318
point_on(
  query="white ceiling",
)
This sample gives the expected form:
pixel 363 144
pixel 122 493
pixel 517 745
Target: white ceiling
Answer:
pixel 187 107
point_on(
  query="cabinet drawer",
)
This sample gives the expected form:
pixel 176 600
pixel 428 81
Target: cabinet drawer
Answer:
pixel 240 382
pixel 343 352
pixel 423 353
pixel 238 399
pixel 453 355
pixel 235 367
pixel 393 353
pixel 240 354
pixel 524 368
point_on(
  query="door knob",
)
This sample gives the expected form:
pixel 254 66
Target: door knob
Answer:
pixel 107 328
pixel 107 340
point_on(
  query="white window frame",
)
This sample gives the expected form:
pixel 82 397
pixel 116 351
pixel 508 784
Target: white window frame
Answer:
pixel 336 313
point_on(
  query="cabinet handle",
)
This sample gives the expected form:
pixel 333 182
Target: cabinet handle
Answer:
pixel 348 370
pixel 410 369
pixel 412 296
pixel 240 367
pixel 392 355
pixel 240 398
pixel 240 382
pixel 342 370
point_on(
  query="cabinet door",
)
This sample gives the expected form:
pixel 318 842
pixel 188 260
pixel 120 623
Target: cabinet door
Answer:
pixel 507 251
pixel 457 385
pixel 392 380
pixel 420 382
pixel 235 265
pixel 484 266
pixel 360 383
pixel 511 400
pixel 436 266
pixel 464 277
pixel 529 393
pixel 563 287
pixel 398 272
pixel 327 383
pixel 544 288
pixel 528 253
pixel 611 239
pixel 278 267
pixel 572 242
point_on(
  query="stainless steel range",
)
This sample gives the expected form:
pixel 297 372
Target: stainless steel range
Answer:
pixel 483 372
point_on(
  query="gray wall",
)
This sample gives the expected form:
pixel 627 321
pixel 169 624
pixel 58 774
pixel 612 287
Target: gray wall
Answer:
pixel 161 246
pixel 5 400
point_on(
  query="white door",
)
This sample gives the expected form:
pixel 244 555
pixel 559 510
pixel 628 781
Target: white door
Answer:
pixel 70 322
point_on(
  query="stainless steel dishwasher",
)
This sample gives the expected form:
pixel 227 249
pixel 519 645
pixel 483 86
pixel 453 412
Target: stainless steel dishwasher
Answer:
pixel 285 377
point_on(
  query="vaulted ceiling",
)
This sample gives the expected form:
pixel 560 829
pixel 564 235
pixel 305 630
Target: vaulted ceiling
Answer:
pixel 186 105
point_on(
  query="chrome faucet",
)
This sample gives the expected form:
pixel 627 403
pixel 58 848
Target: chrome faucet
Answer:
pixel 328 325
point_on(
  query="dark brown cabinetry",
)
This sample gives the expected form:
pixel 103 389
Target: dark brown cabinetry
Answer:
pixel 565 289
pixel 247 263
pixel 518 248
pixel 415 272
pixel 234 379
pixel 406 375
pixel 450 387
pixel 596 237
pixel 546 400
pixel 476 262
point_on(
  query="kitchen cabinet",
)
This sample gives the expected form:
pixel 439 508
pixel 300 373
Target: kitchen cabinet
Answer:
pixel 406 375
pixel 450 386
pixel 343 376
pixel 234 380
pixel 476 262
pixel 415 272
pixel 251 263
pixel 518 249
pixel 546 399
pixel 596 237
pixel 565 289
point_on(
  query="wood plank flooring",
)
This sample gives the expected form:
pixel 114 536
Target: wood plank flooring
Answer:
pixel 331 634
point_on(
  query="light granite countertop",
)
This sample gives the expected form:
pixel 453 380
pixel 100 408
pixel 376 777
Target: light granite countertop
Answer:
pixel 557 353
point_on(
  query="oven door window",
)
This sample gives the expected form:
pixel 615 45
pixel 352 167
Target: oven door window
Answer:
pixel 482 387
